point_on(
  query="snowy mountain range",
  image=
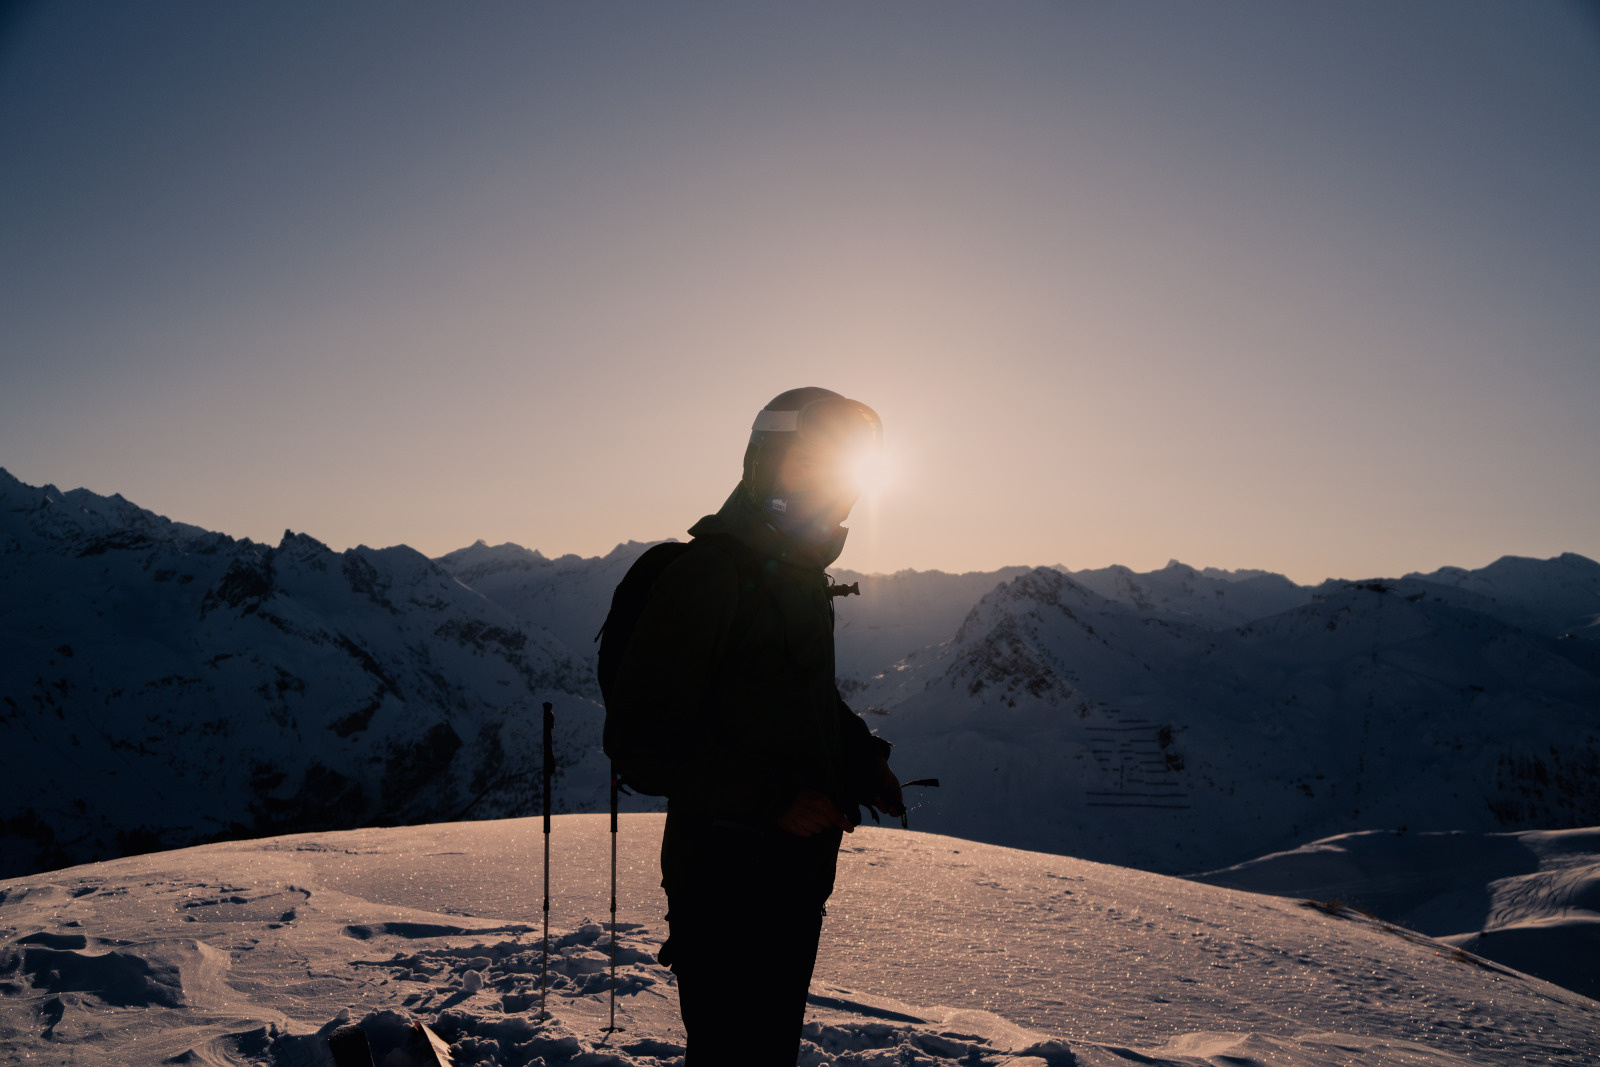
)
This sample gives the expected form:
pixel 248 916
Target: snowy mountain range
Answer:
pixel 162 685
pixel 1066 721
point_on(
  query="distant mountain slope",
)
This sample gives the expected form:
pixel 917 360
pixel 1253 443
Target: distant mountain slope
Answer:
pixel 162 685
pixel 1554 596
pixel 1064 721
pixel 897 614
pixel 894 616
pixel 1208 597
pixel 568 596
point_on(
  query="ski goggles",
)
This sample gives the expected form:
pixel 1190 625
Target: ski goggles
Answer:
pixel 833 422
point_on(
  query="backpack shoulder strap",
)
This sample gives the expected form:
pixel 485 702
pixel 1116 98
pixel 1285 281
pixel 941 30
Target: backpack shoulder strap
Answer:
pixel 744 559
pixel 636 583
pixel 627 602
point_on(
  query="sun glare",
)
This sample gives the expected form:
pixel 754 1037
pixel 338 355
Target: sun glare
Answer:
pixel 870 472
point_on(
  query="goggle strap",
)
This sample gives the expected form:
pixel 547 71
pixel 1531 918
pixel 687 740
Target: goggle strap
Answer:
pixel 776 421
pixel 795 421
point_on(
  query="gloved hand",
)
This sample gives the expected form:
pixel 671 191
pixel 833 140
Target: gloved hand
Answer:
pixel 810 813
pixel 886 790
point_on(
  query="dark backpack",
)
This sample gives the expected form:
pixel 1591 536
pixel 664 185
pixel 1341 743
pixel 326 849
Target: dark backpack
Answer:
pixel 627 604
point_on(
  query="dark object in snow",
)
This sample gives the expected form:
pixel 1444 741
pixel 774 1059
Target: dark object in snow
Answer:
pixel 349 1047
pixel 424 1048
pixel 616 784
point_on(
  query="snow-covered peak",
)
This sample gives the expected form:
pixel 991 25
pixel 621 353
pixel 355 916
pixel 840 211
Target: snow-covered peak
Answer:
pixel 1040 590
pixel 480 558
pixel 1240 575
pixel 1181 592
pixel 1558 595
pixel 91 522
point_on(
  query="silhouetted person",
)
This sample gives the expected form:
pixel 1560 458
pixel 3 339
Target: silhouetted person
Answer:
pixel 725 702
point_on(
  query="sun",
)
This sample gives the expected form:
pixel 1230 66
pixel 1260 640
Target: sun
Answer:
pixel 869 471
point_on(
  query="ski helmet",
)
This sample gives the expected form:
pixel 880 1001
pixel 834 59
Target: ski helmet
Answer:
pixel 810 416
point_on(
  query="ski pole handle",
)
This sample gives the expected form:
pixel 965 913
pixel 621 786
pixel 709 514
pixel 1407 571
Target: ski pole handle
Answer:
pixel 905 820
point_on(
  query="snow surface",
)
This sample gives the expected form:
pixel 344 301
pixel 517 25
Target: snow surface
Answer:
pixel 936 951
pixel 1529 900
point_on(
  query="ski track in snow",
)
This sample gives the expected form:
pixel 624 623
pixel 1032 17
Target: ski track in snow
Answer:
pixel 936 951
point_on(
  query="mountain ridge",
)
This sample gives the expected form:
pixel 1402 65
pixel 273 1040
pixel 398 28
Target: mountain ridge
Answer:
pixel 263 688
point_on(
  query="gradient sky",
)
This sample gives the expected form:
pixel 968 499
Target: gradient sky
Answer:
pixel 1308 287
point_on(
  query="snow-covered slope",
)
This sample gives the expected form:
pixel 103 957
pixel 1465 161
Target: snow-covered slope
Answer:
pixel 1528 900
pixel 163 685
pixel 936 951
pixel 1061 720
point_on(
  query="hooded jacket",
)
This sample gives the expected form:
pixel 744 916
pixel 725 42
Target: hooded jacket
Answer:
pixel 725 694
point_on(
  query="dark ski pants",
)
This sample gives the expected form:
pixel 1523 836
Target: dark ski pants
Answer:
pixel 744 927
pixel 743 994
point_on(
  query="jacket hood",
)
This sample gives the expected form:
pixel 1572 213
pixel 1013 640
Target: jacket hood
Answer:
pixel 740 518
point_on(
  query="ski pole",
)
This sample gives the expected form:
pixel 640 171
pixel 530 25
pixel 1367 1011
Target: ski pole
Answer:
pixel 905 822
pixel 613 1027
pixel 549 777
